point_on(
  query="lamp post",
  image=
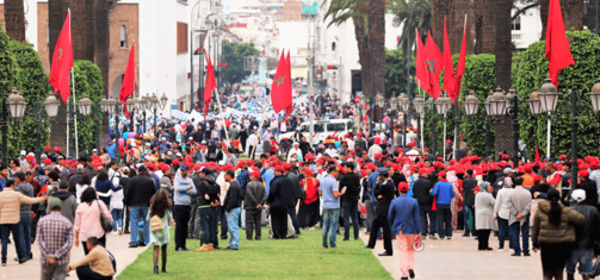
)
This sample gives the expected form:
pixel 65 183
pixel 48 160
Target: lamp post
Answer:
pixel 87 107
pixel 419 105
pixel 431 106
pixel 15 104
pixel 393 106
pixel 488 132
pixel 380 100
pixel 405 106
pixel 131 104
pixel 471 105
pixel 50 105
pixel 548 98
pixel 111 107
pixel 443 105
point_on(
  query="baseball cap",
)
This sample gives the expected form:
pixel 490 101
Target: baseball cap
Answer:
pixel 508 170
pixel 578 195
pixel 54 203
pixel 403 187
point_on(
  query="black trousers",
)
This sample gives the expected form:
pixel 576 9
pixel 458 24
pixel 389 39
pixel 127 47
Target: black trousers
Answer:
pixel 381 221
pixel 85 272
pixel 279 222
pixel 253 223
pixel 215 225
pixel 483 236
pixel 126 224
pixel 182 217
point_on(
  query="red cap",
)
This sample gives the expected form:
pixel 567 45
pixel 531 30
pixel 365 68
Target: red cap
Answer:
pixel 403 187
pixel 442 174
pixel 255 173
pixel 448 141
pixel 228 167
pixel 162 166
pixel 57 149
pixel 151 166
pixel 47 147
pixel 562 157
pixel 287 166
pixel 537 178
pixel 279 168
pixel 175 162
pixel 47 161
pixel 584 173
pixel 29 158
pixel 308 172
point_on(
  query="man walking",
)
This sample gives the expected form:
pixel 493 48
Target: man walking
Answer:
pixel 208 200
pixel 232 204
pixel 444 193
pixel 404 218
pixel 351 182
pixel 469 202
pixel 183 189
pixel 519 204
pixel 280 198
pixel 421 189
pixel 141 189
pixel 583 251
pixel 55 238
pixel 26 215
pixel 329 191
pixel 384 192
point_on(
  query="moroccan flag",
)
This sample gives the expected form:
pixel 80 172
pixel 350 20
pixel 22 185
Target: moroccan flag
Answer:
pixel 460 68
pixel 558 51
pixel 422 75
pixel 537 155
pixel 449 79
pixel 288 79
pixel 434 65
pixel 62 61
pixel 210 84
pixel 128 85
pixel 281 89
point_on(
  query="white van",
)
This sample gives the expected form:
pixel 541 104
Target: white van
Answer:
pixel 322 129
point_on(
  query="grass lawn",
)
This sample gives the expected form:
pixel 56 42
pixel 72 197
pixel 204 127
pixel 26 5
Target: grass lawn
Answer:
pixel 302 258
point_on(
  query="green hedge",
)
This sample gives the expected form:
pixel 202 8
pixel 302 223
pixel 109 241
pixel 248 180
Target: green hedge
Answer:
pixel 533 69
pixel 88 81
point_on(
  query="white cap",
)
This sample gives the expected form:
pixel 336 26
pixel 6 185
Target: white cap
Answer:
pixel 31 154
pixel 23 152
pixel 147 144
pixel 178 155
pixel 163 139
pixel 578 195
pixel 133 144
pixel 169 153
pixel 94 150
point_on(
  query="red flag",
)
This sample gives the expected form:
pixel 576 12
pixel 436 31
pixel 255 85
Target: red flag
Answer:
pixel 288 79
pixel 422 75
pixel 558 51
pixel 434 65
pixel 281 89
pixel 460 68
pixel 537 155
pixel 449 79
pixel 128 85
pixel 211 83
pixel 62 61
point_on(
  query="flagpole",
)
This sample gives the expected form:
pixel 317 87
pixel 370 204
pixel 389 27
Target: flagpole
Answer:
pixel 222 115
pixel 456 125
pixel 68 128
pixel 74 106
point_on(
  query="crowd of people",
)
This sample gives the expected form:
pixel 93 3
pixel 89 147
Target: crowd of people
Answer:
pixel 211 187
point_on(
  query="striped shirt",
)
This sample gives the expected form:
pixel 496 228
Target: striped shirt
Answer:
pixel 55 237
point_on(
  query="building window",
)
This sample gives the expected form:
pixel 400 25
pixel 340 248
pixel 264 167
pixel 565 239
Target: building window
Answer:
pixel 516 24
pixel 123 37
pixel 333 45
pixel 182 37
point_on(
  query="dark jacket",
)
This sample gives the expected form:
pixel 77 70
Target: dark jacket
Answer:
pixel 366 195
pixel 141 189
pixel 281 194
pixel 73 179
pixel 421 190
pixel 295 185
pixel 206 188
pixel 103 187
pixel 255 195
pixel 587 234
pixel 468 195
pixel 545 232
pixel 124 182
pixel 386 190
pixel 233 199
pixel 352 184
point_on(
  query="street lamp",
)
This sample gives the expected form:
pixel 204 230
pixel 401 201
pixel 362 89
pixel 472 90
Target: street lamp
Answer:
pixel 419 105
pixel 548 99
pixel 498 103
pixel 404 103
pixel 431 106
pixel 15 104
pixel 535 105
pixel 380 100
pixel 85 105
pixel 130 103
pixel 595 95
pixel 443 105
pixel 471 104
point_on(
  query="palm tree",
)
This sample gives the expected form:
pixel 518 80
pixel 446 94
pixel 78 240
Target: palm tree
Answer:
pixel 14 15
pixel 412 14
pixel 572 11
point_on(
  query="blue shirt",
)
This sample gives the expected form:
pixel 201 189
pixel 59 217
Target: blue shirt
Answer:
pixel 372 181
pixel 2 184
pixel 444 192
pixel 268 177
pixel 327 187
pixel 404 215
pixel 111 150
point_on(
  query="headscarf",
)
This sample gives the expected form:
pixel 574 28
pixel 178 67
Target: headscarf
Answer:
pixel 483 186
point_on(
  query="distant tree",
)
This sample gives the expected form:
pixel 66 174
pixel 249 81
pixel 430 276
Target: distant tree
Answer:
pixel 234 55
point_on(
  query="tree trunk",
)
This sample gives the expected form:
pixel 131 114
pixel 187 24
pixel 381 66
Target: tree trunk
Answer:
pixel 456 24
pixel 439 10
pixel 90 27
pixel 503 51
pixel 572 11
pixel 485 26
pixel 79 30
pixel 377 44
pixel 364 56
pixel 14 16
pixel 102 32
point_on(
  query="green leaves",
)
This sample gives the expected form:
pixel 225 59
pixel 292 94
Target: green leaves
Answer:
pixel 88 81
pixel 234 55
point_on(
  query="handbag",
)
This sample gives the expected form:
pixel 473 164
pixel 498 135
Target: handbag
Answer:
pixel 156 224
pixel 106 224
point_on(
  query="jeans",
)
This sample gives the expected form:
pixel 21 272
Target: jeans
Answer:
pixel 444 217
pixel 117 215
pixel 350 212
pixel 54 272
pixel 139 234
pixel 331 219
pixel 25 237
pixel 234 219
pixel 503 233
pixel 5 231
pixel 181 214
pixel 585 258
pixel 207 219
pixel 294 217
pixel 424 211
pixel 243 214
pixel 515 230
pixel 223 220
pixel 369 205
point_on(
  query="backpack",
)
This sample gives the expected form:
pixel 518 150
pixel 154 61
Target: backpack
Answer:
pixel 499 183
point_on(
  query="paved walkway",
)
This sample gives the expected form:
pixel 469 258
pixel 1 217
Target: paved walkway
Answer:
pixel 459 259
pixel 117 245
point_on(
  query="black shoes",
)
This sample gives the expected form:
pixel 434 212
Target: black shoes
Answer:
pixel 411 273
pixel 526 254
pixel 133 245
pixel 367 247
pixel 386 254
pixel 155 269
pixel 515 255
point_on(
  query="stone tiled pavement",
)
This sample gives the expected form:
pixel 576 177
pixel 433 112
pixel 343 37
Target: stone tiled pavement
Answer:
pixel 459 259
pixel 117 245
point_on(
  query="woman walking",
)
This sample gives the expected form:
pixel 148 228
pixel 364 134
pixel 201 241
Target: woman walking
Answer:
pixel 82 185
pixel 308 214
pixel 554 233
pixel 105 188
pixel 484 214
pixel 87 219
pixel 160 220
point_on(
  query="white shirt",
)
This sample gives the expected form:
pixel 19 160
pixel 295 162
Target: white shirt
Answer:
pixel 252 140
pixel 292 151
pixel 375 149
pixel 502 203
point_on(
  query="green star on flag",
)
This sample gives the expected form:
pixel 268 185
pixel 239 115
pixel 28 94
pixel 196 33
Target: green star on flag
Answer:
pixel 280 80
pixel 431 65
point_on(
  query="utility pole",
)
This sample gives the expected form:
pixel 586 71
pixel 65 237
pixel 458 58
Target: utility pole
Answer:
pixel 311 76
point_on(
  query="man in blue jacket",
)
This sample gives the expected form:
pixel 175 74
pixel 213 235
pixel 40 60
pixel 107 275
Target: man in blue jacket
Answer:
pixel 443 192
pixel 404 218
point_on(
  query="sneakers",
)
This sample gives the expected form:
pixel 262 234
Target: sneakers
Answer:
pixel 205 248
pixel 120 231
pixel 411 273
pixel 432 237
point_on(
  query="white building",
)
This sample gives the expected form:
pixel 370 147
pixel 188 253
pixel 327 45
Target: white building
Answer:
pixel 527 28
